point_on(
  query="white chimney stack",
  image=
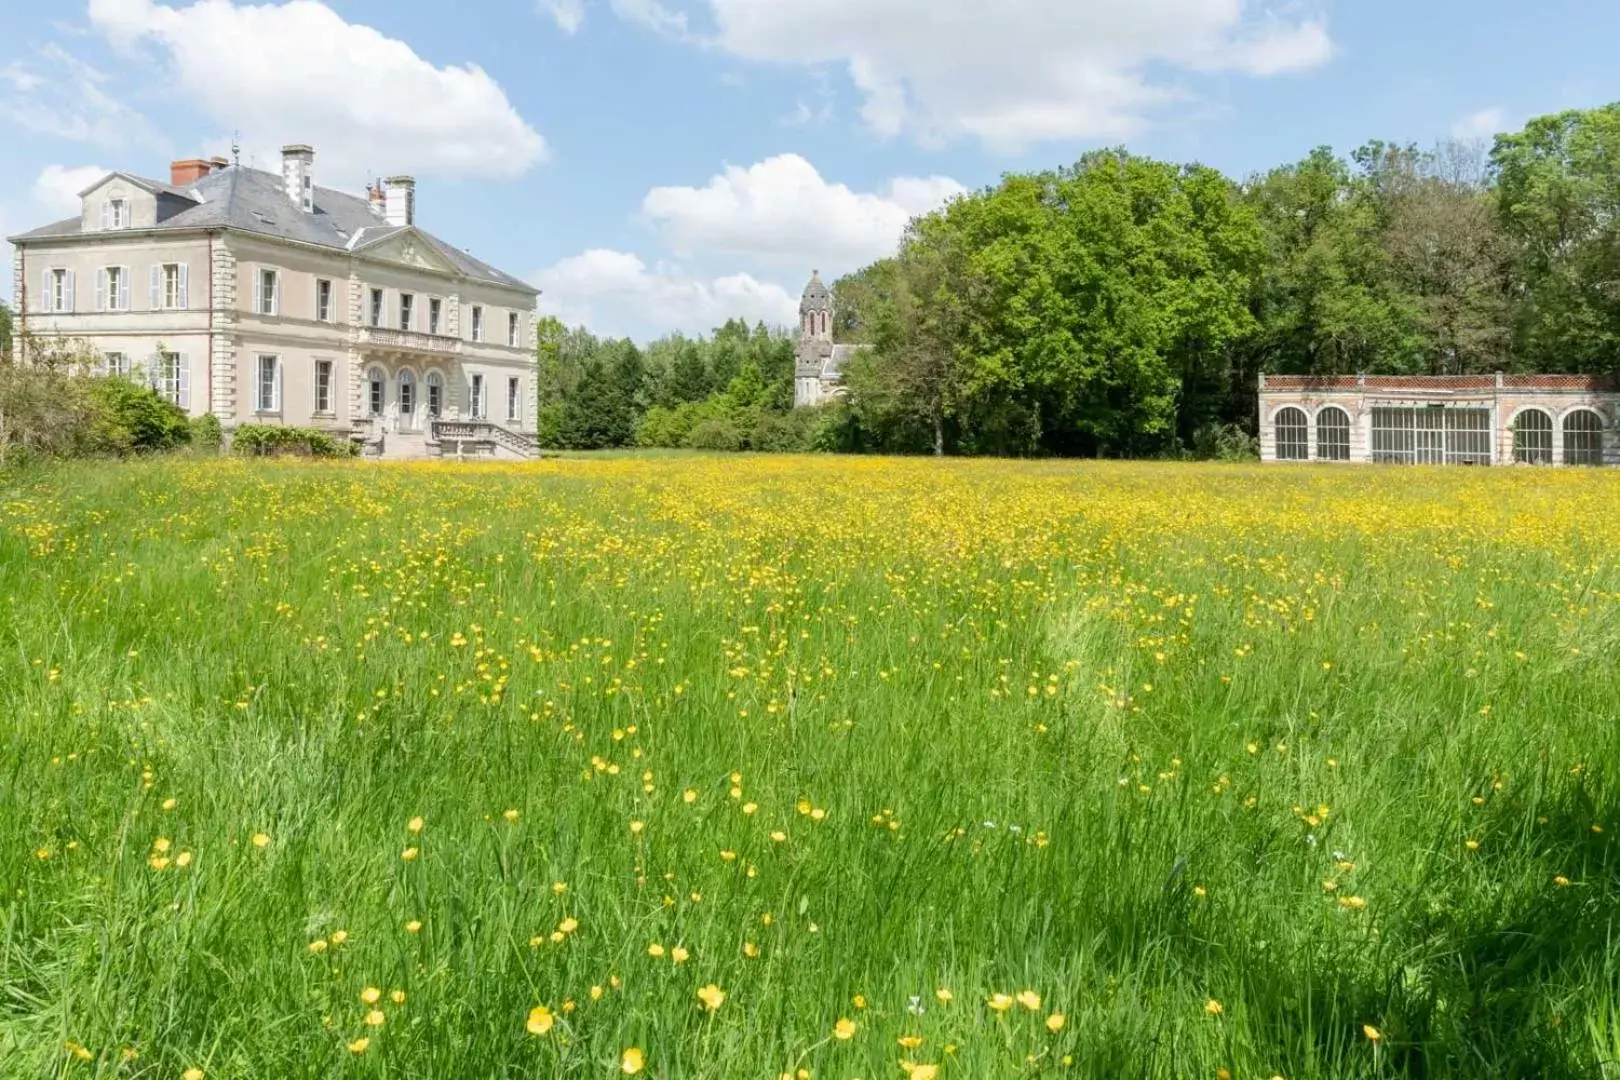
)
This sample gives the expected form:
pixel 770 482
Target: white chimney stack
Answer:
pixel 298 175
pixel 401 194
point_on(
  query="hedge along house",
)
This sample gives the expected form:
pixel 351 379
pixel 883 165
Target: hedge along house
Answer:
pixel 265 298
pixel 1440 419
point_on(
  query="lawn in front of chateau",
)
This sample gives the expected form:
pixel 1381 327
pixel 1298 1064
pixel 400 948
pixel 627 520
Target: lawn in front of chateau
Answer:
pixel 844 768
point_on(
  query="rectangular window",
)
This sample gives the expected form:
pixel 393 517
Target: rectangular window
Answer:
pixel 323 386
pixel 115 214
pixel 171 379
pixel 512 329
pixel 376 307
pixel 477 323
pixel 513 398
pixel 435 309
pixel 407 302
pixel 58 290
pixel 169 287
pixel 374 392
pixel 477 395
pixel 269 384
pixel 268 298
pixel 112 289
pixel 115 365
pixel 1435 435
pixel 323 300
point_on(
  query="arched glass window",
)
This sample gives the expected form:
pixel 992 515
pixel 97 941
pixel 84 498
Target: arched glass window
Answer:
pixel 1333 434
pixel 407 393
pixel 1293 435
pixel 1583 438
pixel 435 394
pixel 376 384
pixel 1532 437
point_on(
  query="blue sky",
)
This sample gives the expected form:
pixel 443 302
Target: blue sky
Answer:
pixel 658 165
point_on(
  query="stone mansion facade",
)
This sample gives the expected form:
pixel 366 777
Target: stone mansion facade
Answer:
pixel 268 299
pixel 1441 419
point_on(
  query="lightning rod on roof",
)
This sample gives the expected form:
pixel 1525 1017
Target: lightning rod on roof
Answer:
pixel 236 148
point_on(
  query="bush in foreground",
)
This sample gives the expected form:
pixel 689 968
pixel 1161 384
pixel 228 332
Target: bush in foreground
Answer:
pixel 266 440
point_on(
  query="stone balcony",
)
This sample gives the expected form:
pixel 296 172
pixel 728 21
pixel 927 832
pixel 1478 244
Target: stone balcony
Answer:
pixel 407 341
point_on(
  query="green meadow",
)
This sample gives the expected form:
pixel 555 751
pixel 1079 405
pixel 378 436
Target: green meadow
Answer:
pixel 850 769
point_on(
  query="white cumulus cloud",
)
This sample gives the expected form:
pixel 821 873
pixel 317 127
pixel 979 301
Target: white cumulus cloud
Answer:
pixel 783 211
pixel 55 93
pixel 569 14
pixel 615 293
pixel 56 189
pixel 298 72
pixel 1480 125
pixel 1015 72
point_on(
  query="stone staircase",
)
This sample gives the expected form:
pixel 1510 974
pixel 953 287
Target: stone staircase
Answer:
pixel 406 446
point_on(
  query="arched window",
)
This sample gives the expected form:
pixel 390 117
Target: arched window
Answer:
pixel 407 393
pixel 435 394
pixel 1583 438
pixel 1532 437
pixel 376 387
pixel 1333 434
pixel 1293 435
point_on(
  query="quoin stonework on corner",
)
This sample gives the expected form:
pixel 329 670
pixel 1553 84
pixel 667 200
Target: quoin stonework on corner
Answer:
pixel 1440 419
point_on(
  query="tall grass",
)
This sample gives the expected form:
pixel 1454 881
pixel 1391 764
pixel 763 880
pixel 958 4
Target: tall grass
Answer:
pixel 1242 771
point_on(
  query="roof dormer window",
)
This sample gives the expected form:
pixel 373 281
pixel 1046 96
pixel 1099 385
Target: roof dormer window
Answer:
pixel 115 214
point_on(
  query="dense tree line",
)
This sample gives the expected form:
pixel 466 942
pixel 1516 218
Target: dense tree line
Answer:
pixel 1125 306
pixel 731 391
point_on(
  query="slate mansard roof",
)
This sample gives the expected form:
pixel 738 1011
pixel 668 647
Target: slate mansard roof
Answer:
pixel 255 201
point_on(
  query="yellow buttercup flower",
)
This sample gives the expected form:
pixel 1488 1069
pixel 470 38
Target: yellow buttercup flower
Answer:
pixel 1029 999
pixel 1372 1033
pixel 1055 1022
pixel 371 995
pixel 844 1029
pixel 359 1045
pixel 632 1061
pixel 261 840
pixel 1000 1002
pixel 540 1020
pixel 712 997
pixel 375 1018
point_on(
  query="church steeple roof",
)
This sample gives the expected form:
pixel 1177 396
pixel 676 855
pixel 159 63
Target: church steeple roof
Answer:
pixel 817 297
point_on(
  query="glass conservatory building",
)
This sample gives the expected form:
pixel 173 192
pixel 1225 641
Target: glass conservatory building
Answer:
pixel 1440 419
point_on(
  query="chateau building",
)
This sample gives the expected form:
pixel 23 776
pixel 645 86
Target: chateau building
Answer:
pixel 269 299
pixel 819 367
pixel 1440 420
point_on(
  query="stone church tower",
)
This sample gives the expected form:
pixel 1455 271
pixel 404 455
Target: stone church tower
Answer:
pixel 818 372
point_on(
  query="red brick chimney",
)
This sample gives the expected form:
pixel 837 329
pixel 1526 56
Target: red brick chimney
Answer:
pixel 188 172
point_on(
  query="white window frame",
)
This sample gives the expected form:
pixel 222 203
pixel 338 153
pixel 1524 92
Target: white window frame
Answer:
pixel 376 392
pixel 325 373
pixel 323 304
pixel 162 297
pixel 514 399
pixel 113 365
pixel 514 330
pixel 375 311
pixel 171 378
pixel 433 394
pixel 58 294
pixel 267 302
pixel 478 323
pixel 475 399
pixel 115 214
pixel 267 390
pixel 435 315
pixel 112 289
pixel 407 310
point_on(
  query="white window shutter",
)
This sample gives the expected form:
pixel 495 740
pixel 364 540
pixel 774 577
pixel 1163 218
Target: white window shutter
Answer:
pixel 101 289
pixel 156 295
pixel 275 295
pixel 106 214
pixel 184 381
pixel 67 291
pixel 123 288
pixel 277 405
pixel 46 301
pixel 154 371
pixel 185 298
pixel 258 291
